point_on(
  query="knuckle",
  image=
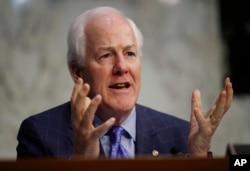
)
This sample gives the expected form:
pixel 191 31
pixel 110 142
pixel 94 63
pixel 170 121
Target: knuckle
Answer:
pixel 82 94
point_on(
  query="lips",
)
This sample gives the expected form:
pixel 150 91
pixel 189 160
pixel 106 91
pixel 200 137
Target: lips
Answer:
pixel 120 85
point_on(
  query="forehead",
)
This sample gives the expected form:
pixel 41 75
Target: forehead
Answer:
pixel 108 29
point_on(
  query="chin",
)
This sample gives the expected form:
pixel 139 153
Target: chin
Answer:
pixel 122 106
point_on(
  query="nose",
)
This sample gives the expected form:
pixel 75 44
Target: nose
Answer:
pixel 120 66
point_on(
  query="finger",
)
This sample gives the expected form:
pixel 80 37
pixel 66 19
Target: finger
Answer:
pixel 229 91
pixel 75 118
pixel 199 118
pixel 100 130
pixel 229 95
pixel 220 105
pixel 76 89
pixel 223 102
pixel 227 80
pixel 196 100
pixel 89 114
pixel 211 110
pixel 80 103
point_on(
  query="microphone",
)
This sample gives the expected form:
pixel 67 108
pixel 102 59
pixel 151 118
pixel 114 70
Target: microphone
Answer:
pixel 175 152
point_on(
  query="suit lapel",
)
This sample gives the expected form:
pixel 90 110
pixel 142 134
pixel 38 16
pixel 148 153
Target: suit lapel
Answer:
pixel 145 133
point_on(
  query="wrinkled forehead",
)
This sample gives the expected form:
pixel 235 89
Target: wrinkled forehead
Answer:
pixel 104 26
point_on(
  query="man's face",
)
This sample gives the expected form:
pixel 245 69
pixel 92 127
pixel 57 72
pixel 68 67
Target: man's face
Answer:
pixel 112 63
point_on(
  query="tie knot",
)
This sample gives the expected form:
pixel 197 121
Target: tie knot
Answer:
pixel 115 134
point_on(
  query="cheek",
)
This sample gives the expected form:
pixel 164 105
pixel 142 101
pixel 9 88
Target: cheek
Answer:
pixel 98 79
pixel 136 76
pixel 137 73
pixel 93 72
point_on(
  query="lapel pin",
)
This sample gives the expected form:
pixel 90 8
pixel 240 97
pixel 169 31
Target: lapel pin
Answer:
pixel 155 153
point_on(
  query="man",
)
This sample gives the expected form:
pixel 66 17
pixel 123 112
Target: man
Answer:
pixel 104 50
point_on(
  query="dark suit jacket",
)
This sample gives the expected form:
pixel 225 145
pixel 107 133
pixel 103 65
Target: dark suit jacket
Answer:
pixel 49 134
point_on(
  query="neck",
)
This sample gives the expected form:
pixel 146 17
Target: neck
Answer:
pixel 104 113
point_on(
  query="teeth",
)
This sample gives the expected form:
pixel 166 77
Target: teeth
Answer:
pixel 120 85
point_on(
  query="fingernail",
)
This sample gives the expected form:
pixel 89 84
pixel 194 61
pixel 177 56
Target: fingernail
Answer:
pixel 111 120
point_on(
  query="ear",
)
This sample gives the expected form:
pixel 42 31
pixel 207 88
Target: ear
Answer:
pixel 75 70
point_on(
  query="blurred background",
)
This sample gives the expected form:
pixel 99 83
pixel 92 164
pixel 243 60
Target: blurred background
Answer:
pixel 188 44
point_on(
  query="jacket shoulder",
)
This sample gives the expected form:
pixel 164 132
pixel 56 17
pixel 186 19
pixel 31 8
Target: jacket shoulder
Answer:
pixel 55 112
pixel 45 133
pixel 150 113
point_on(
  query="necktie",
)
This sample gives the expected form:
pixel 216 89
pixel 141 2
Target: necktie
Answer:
pixel 117 150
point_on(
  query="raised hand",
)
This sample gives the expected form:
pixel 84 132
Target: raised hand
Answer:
pixel 204 124
pixel 85 135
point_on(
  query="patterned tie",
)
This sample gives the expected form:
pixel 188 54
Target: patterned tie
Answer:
pixel 117 150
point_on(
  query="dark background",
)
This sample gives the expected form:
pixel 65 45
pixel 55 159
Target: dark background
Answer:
pixel 235 31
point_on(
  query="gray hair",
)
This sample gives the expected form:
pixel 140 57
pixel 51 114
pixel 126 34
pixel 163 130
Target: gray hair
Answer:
pixel 77 37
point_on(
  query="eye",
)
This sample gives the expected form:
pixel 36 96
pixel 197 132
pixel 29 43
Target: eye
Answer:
pixel 130 53
pixel 107 55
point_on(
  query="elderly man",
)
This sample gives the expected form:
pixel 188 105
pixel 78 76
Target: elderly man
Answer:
pixel 104 49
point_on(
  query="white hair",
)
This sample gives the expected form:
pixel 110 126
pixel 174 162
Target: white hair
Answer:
pixel 77 37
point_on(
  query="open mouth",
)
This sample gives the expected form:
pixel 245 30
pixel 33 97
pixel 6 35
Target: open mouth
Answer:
pixel 120 85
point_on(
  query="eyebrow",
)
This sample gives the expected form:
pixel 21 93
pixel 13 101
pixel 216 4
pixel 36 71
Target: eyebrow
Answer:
pixel 130 46
pixel 111 47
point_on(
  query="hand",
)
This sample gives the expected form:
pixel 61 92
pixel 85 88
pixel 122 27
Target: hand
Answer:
pixel 204 124
pixel 85 135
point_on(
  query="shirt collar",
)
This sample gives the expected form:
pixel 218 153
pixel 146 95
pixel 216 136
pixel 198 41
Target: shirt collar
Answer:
pixel 129 124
